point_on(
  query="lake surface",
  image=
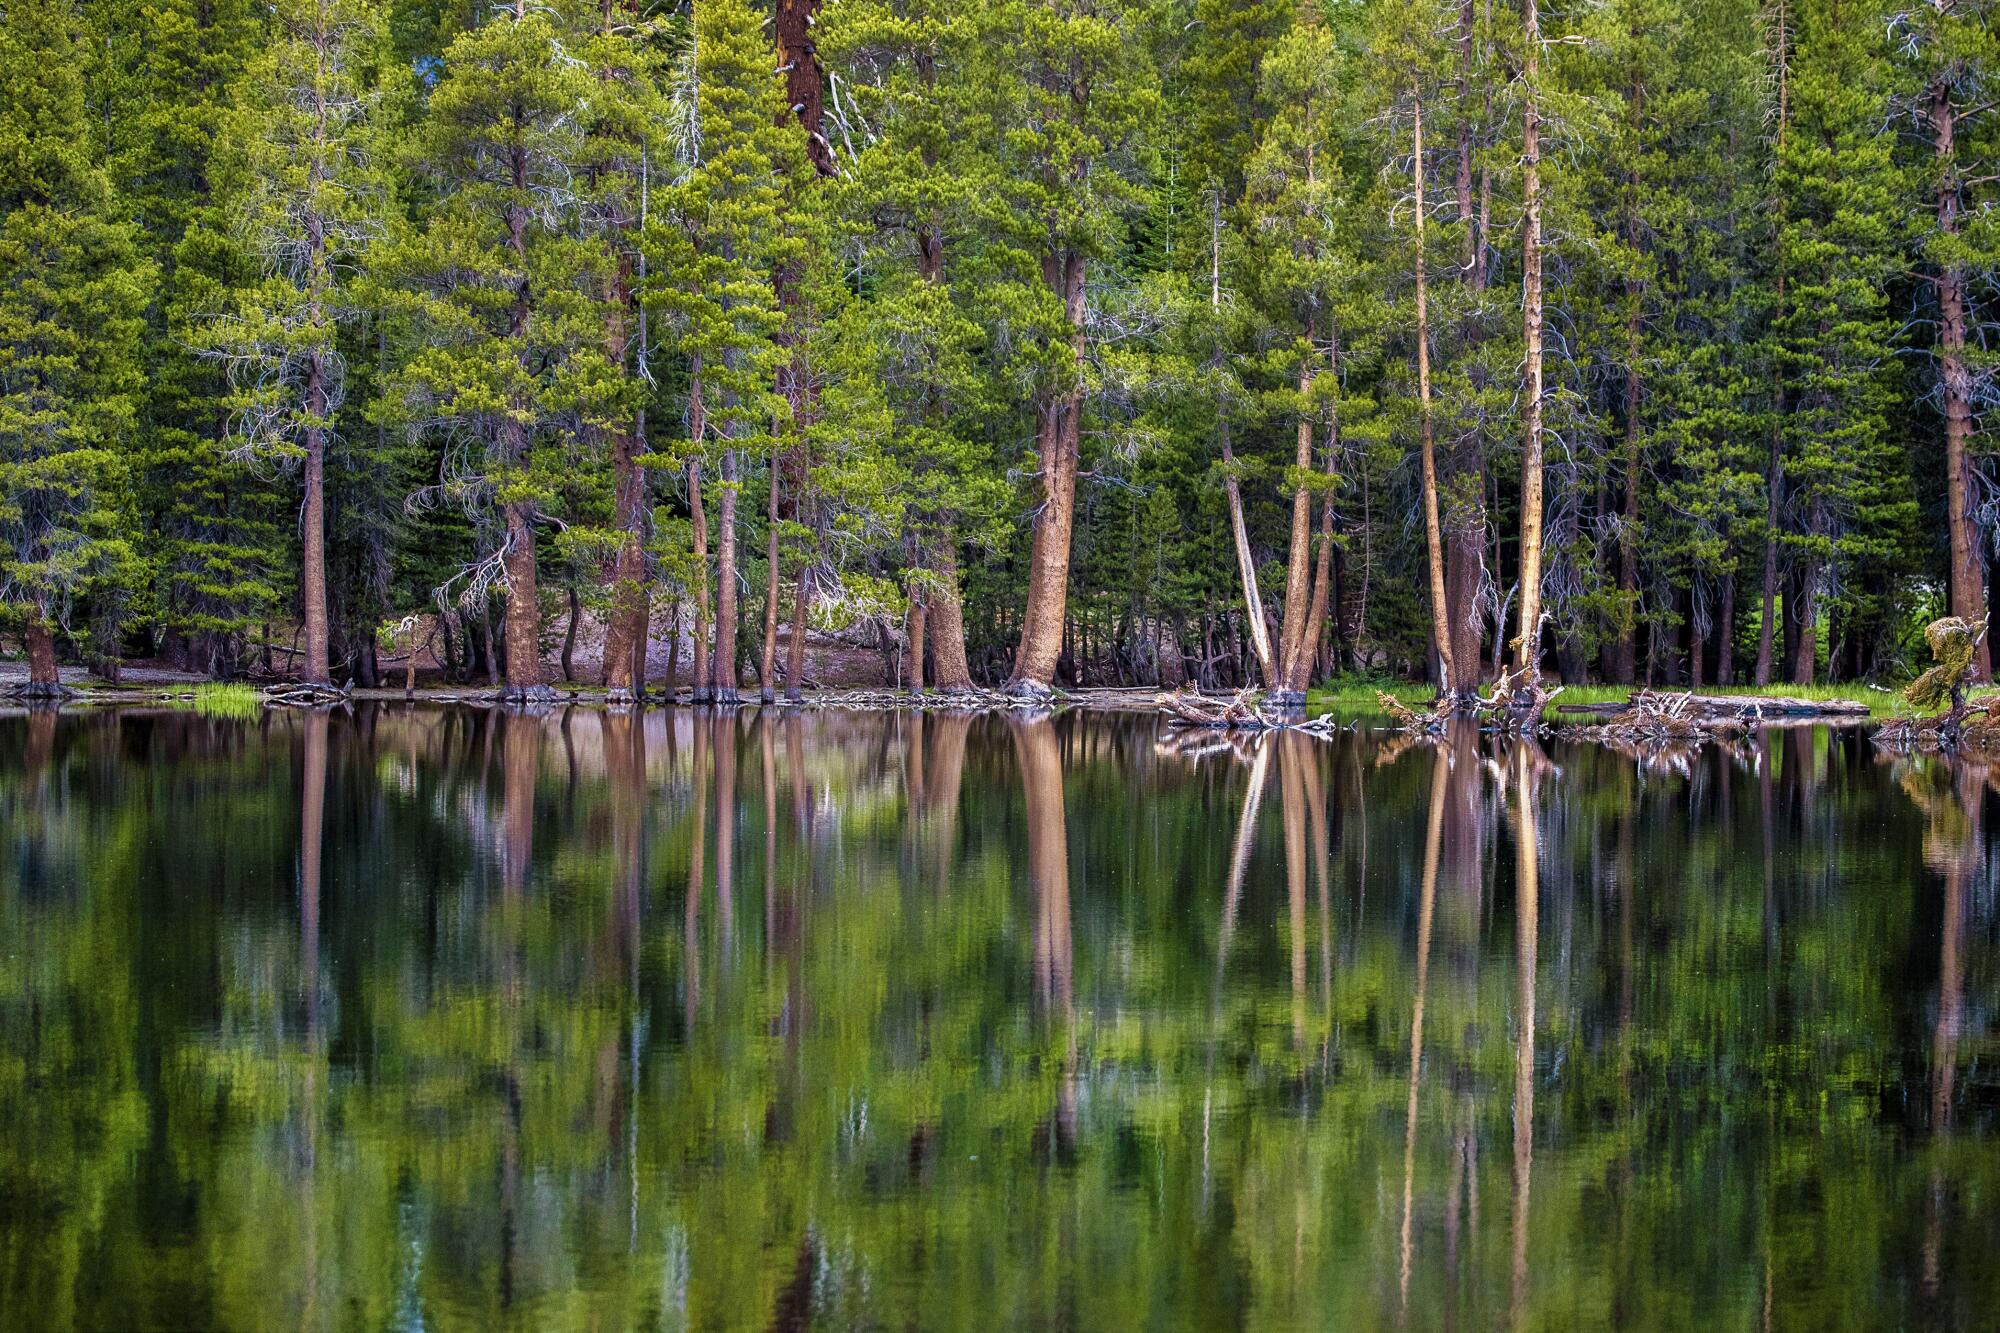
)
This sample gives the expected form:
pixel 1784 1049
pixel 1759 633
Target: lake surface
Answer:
pixel 446 1018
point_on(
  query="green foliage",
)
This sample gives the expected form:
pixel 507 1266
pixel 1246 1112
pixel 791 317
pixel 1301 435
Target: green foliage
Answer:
pixel 73 286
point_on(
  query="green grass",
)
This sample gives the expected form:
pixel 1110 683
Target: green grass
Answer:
pixel 237 701
pixel 1352 697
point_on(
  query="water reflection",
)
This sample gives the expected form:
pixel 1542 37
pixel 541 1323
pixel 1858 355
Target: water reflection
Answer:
pixel 434 1018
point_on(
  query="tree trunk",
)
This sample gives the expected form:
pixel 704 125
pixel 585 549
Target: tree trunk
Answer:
pixel 43 674
pixel 1621 657
pixel 917 627
pixel 524 617
pixel 1968 593
pixel 726 676
pixel 1464 515
pixel 698 515
pixel 1697 641
pixel 1441 635
pixel 1057 441
pixel 1528 645
pixel 313 525
pixel 673 651
pixel 1313 633
pixel 946 619
pixel 569 636
pixel 625 629
pixel 767 661
pixel 1805 650
pixel 1725 633
pixel 1774 474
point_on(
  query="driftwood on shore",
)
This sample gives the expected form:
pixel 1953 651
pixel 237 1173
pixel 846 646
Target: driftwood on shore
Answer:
pixel 1741 709
pixel 1514 704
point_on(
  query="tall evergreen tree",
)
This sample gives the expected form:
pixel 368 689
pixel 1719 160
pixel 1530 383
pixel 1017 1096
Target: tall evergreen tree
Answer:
pixel 72 292
pixel 310 198
pixel 509 371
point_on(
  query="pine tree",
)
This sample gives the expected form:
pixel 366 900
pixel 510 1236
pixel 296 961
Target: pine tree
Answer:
pixel 1075 108
pixel 916 185
pixel 721 239
pixel 501 290
pixel 309 198
pixel 215 539
pixel 1309 228
pixel 72 292
pixel 1839 248
pixel 628 121
pixel 1953 51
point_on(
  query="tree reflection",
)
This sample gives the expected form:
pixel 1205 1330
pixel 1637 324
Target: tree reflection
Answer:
pixel 442 1020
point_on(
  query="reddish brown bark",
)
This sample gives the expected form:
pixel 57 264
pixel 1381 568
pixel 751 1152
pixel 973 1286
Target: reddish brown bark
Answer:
pixel 1057 438
pixel 1968 590
pixel 945 622
pixel 42 670
pixel 524 618
pixel 795 650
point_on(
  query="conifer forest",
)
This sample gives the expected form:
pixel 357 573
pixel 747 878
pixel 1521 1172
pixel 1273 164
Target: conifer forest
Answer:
pixel 1030 343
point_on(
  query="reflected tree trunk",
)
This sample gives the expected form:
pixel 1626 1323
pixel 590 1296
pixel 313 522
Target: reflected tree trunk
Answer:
pixel 1527 890
pixel 1040 761
pixel 520 760
pixel 1426 903
pixel 698 779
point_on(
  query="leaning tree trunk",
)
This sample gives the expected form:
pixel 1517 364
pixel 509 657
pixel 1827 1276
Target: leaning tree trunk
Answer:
pixel 1232 490
pixel 1299 665
pixel 1433 536
pixel 1058 440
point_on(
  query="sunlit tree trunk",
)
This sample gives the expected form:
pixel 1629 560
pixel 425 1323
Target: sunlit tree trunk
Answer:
pixel 1527 648
pixel 1426 902
pixel 1527 894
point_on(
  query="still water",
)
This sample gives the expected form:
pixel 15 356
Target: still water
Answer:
pixel 435 1018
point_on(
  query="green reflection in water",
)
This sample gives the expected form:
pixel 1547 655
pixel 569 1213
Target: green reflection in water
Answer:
pixel 449 1018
